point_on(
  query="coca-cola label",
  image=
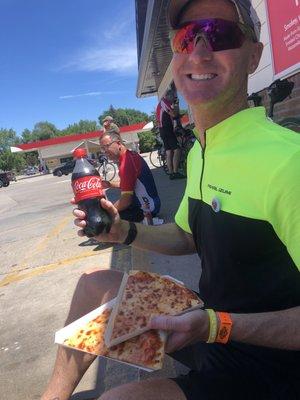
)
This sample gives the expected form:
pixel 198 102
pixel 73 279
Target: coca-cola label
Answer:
pixel 87 187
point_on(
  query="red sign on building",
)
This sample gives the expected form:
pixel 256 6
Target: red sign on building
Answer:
pixel 284 26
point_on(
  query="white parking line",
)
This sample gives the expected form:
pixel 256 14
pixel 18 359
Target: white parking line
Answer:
pixel 66 180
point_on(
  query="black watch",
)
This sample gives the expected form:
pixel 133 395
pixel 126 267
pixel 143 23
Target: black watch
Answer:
pixel 131 234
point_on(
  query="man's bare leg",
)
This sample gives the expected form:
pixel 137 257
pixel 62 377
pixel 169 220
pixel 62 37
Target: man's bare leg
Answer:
pixel 176 160
pixel 92 290
pixel 169 156
pixel 150 389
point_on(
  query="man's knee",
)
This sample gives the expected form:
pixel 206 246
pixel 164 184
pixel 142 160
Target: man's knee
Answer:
pixel 99 281
pixel 118 393
pixel 92 290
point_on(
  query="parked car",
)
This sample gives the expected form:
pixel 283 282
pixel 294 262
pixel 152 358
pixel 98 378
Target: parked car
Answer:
pixel 4 179
pixel 31 171
pixel 64 169
pixel 68 167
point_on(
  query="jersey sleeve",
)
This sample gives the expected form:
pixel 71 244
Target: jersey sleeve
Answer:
pixel 182 215
pixel 128 175
pixel 282 205
pixel 192 187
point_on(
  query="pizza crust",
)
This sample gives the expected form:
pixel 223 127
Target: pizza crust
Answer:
pixel 87 334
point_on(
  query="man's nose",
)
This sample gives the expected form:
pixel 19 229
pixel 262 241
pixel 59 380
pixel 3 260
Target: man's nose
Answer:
pixel 202 50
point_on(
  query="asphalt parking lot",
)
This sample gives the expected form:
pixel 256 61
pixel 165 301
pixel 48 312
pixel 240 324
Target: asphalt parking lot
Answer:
pixel 42 259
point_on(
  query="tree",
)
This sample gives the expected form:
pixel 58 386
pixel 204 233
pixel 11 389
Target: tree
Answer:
pixel 32 158
pixel 8 160
pixel 83 126
pixel 124 116
pixel 27 136
pixel 8 137
pixel 11 161
pixel 44 130
pixel 146 141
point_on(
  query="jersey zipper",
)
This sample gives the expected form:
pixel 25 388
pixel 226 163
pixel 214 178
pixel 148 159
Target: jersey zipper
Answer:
pixel 203 164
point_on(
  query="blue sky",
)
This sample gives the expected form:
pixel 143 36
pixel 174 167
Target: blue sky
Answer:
pixel 66 60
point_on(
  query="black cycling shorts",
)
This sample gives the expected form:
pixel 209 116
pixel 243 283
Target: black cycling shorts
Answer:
pixel 209 381
pixel 167 133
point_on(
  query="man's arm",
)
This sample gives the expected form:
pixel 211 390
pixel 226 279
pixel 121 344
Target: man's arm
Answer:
pixel 167 239
pixel 124 201
pixel 278 329
pixel 114 184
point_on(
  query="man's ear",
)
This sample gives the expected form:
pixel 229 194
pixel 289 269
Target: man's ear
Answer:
pixel 256 53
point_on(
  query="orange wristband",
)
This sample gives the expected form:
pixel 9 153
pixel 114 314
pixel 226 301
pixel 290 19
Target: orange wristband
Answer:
pixel 224 328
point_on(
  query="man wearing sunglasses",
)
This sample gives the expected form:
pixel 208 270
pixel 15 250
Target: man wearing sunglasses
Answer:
pixel 138 189
pixel 240 213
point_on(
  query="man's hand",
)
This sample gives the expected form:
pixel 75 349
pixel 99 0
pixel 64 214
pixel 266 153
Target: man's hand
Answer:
pixel 106 184
pixel 118 231
pixel 183 330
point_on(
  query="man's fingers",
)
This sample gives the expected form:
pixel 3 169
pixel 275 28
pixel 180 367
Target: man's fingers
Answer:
pixel 167 324
pixel 78 213
pixel 175 342
pixel 108 206
pixel 81 223
pixel 72 201
pixel 80 233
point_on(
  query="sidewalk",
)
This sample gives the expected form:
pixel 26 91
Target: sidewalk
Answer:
pixel 108 374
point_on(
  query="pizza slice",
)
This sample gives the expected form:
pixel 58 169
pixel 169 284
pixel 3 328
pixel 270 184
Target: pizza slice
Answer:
pixel 146 350
pixel 141 296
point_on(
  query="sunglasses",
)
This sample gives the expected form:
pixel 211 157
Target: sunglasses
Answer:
pixel 218 34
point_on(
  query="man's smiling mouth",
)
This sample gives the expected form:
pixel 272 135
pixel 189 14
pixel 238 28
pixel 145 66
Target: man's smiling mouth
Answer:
pixel 202 77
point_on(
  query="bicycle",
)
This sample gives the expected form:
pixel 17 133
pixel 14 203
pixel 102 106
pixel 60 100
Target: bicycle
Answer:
pixel 157 156
pixel 278 91
pixel 107 170
pixel 186 140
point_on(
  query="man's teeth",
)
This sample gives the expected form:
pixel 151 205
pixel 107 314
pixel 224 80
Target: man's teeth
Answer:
pixel 203 77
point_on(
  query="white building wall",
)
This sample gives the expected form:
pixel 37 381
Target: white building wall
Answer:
pixel 263 76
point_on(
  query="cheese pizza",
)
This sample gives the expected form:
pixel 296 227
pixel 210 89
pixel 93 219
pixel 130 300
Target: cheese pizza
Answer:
pixel 141 296
pixel 145 350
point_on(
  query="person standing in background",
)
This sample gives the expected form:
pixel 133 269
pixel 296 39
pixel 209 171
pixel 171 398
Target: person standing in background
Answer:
pixel 110 127
pixel 164 115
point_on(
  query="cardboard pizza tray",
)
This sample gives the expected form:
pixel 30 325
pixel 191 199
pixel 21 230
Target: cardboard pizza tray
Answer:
pixel 111 342
pixel 67 331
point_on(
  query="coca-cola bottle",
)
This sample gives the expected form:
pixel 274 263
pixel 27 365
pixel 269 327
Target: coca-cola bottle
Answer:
pixel 87 188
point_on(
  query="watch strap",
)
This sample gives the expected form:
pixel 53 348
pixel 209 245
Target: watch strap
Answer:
pixel 131 234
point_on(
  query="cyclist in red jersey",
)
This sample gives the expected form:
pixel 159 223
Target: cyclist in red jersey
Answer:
pixel 136 180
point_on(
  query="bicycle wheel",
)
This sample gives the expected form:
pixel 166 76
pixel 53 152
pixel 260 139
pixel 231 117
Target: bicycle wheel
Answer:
pixel 107 171
pixel 187 145
pixel 155 159
pixel 291 123
pixel 164 165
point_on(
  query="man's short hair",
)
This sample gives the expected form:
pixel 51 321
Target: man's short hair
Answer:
pixel 114 137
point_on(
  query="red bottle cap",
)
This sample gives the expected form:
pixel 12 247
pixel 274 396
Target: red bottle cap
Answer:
pixel 78 153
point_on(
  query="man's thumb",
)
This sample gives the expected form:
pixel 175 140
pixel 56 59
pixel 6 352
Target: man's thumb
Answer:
pixel 166 323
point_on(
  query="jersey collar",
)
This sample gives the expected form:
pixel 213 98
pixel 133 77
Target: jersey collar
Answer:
pixel 236 124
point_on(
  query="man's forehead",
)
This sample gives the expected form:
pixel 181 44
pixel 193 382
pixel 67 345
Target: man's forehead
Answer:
pixel 105 140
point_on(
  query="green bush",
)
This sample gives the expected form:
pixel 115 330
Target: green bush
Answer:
pixel 146 141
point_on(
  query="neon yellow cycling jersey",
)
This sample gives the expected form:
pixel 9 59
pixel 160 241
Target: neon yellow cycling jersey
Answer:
pixel 242 205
